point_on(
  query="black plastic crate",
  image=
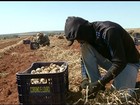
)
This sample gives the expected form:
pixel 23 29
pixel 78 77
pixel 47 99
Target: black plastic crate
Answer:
pixel 26 41
pixel 34 45
pixel 54 92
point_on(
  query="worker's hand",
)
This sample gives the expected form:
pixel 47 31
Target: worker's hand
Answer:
pixel 84 83
pixel 95 87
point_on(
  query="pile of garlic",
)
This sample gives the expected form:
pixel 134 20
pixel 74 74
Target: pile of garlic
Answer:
pixel 52 68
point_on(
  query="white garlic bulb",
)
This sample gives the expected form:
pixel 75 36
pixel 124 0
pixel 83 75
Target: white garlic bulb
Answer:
pixel 52 68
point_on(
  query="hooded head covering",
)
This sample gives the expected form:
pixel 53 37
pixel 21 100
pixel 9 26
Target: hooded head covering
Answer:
pixel 72 28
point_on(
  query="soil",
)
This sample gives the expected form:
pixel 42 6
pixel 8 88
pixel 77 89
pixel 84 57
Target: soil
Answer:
pixel 16 59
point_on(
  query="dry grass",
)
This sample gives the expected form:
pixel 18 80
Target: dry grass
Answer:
pixel 108 97
pixel 133 30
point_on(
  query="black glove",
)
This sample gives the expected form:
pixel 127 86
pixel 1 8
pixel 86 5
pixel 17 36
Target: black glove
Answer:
pixel 95 87
pixel 84 83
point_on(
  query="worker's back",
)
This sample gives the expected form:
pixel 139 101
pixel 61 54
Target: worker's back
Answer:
pixel 44 40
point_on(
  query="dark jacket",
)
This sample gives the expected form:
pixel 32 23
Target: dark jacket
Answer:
pixel 118 43
pixel 114 43
pixel 111 41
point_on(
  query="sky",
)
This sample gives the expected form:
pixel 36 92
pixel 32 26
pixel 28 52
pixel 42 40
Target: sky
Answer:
pixel 29 16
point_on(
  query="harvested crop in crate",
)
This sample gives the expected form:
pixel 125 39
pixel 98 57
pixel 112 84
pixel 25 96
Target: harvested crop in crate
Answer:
pixel 52 68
